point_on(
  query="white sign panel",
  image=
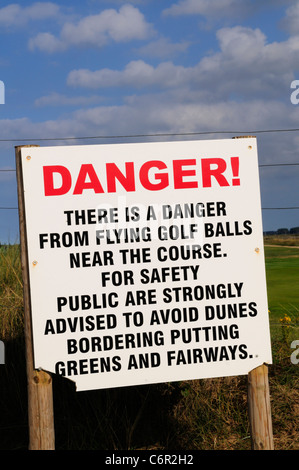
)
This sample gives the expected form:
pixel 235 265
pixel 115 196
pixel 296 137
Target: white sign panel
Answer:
pixel 146 261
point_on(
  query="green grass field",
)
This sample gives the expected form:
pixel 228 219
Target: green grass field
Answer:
pixel 282 272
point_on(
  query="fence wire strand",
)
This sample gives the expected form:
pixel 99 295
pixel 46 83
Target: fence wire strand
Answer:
pixel 177 134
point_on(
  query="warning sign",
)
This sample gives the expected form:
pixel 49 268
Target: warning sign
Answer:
pixel 146 261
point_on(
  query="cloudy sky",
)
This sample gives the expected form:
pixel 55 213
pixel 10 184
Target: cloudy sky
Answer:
pixel 210 68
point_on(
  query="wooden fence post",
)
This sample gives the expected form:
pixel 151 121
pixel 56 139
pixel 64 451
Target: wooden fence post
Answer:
pixel 39 382
pixel 259 408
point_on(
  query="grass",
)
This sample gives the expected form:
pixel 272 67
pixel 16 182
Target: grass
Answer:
pixel 282 240
pixel 282 271
pixel 11 293
pixel 194 415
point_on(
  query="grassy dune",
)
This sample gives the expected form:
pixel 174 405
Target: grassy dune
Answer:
pixel 195 415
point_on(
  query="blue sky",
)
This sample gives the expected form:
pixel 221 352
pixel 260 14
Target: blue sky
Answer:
pixel 106 68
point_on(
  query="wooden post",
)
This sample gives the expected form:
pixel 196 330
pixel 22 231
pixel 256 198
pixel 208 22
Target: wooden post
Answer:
pixel 259 408
pixel 39 382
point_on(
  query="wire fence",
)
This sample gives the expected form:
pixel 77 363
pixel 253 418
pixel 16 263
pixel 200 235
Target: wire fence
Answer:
pixel 260 166
pixel 160 134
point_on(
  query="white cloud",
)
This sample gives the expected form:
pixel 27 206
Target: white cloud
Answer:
pixel 46 42
pixel 58 99
pixel 15 15
pixel 245 65
pixel 137 74
pixel 201 7
pixel 97 30
pixel 163 47
pixel 291 20
pixel 150 114
pixel 158 114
